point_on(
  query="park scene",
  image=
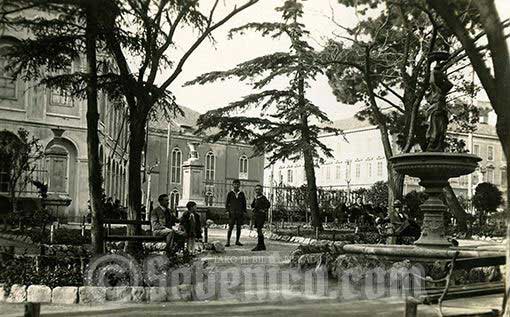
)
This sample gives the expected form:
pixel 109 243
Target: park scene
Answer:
pixel 254 157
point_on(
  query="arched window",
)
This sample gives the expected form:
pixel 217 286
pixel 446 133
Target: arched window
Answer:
pixel 174 199
pixel 176 166
pixel 209 199
pixel 243 167
pixel 210 162
pixel 57 159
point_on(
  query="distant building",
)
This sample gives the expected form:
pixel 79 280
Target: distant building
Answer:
pixel 223 161
pixel 359 159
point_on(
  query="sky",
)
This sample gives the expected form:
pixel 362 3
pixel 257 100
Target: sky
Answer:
pixel 226 53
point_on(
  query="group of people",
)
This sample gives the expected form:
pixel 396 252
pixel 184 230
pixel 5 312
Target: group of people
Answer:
pixel 188 229
pixel 235 206
pixel 178 232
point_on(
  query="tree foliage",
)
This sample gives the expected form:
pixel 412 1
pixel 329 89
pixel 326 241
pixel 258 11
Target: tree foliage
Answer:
pixel 288 124
pixel 377 194
pixel 487 198
pixel 19 155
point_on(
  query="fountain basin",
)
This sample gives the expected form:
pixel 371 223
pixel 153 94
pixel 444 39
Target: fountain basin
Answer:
pixel 441 165
pixel 434 169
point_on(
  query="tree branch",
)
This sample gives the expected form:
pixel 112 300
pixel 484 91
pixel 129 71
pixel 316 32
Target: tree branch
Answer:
pixel 391 103
pixel 210 28
pixel 443 8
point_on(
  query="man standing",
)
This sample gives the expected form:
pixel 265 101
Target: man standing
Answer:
pixel 162 220
pixel 190 222
pixel 260 206
pixel 236 208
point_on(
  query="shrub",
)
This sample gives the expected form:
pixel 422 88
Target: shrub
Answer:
pixel 48 271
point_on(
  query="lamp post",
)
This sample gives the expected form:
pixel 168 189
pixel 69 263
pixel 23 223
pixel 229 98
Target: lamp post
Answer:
pixel 148 198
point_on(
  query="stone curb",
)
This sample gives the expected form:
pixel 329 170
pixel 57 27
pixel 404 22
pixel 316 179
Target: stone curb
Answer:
pixel 95 295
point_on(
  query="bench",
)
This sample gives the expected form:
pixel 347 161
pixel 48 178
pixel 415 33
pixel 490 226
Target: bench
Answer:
pixel 438 295
pixel 108 237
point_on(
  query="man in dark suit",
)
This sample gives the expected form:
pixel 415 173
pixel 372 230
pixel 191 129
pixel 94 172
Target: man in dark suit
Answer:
pixel 260 206
pixel 162 220
pixel 236 208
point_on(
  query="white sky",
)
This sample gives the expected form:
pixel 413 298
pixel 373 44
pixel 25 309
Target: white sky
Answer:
pixel 227 53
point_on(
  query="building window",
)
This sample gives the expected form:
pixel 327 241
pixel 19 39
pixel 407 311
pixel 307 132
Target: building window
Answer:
pixel 281 177
pixel 476 149
pixel 348 171
pixel 338 172
pixel 328 173
pixel 357 171
pixel 176 166
pixel 210 162
pixel 61 97
pixel 503 177
pixel 490 175
pixel 369 169
pixel 490 153
pixel 7 82
pixel 243 167
pixel 174 199
pixel 290 176
pixel 379 169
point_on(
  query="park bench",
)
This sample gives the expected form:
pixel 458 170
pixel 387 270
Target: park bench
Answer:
pixel 437 295
pixel 108 237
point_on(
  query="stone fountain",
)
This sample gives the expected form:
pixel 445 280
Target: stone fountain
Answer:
pixel 434 167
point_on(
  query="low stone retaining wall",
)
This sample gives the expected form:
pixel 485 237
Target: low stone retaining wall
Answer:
pixel 94 295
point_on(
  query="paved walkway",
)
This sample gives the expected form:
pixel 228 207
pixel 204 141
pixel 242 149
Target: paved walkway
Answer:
pixel 294 308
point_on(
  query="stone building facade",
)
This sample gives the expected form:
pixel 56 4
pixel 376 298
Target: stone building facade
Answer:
pixel 59 122
pixel 359 161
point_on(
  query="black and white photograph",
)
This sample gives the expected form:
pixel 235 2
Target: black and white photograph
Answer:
pixel 254 158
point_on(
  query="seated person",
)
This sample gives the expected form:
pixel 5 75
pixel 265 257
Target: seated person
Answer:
pixel 190 222
pixel 162 221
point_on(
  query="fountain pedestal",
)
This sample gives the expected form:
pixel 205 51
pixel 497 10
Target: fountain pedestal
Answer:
pixel 434 169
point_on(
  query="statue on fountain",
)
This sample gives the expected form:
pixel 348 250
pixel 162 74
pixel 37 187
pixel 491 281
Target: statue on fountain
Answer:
pixel 437 111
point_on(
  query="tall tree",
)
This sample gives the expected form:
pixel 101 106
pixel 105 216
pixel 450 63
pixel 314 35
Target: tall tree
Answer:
pixel 54 40
pixel 383 63
pixel 493 72
pixel 287 126
pixel 146 29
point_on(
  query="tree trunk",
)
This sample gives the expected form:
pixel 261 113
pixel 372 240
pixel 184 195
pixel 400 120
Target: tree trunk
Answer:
pixel 496 86
pixel 136 144
pixel 308 158
pixel 94 165
pixel 312 189
pixel 453 203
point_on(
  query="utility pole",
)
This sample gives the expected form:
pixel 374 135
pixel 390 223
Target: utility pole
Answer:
pixel 168 154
